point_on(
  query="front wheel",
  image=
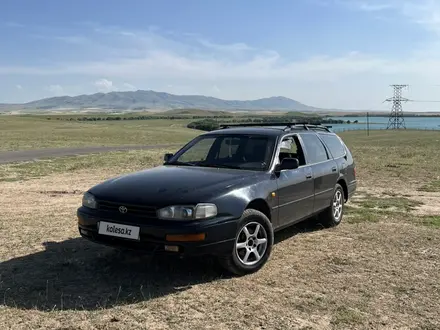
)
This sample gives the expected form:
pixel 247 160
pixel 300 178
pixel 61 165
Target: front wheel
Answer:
pixel 252 246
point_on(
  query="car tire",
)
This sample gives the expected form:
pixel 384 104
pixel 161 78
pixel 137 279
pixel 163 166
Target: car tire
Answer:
pixel 251 250
pixel 330 217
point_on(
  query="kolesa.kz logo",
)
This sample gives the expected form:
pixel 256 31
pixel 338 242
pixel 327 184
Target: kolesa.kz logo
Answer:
pixel 115 230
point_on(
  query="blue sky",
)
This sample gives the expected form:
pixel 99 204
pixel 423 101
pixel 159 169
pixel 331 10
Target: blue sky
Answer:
pixel 326 53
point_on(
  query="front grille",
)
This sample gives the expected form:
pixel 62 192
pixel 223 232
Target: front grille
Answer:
pixel 133 210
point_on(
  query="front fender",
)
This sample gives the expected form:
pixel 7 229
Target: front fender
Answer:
pixel 233 203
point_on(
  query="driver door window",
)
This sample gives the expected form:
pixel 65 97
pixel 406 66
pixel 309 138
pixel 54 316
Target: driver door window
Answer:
pixel 291 148
pixel 198 152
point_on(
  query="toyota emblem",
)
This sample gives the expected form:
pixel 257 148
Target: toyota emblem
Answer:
pixel 123 209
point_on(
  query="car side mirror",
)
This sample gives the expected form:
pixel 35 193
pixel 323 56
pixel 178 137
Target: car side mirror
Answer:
pixel 287 164
pixel 167 157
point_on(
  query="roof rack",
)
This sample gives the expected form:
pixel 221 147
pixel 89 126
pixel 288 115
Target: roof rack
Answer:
pixel 287 126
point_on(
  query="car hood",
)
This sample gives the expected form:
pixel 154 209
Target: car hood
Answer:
pixel 165 185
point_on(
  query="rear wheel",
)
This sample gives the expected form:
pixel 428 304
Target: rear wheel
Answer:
pixel 332 216
pixel 252 246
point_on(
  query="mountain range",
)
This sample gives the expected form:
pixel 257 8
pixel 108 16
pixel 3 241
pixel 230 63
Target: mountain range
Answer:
pixel 152 100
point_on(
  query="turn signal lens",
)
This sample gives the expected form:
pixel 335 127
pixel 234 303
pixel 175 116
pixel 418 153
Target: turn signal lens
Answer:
pixel 186 237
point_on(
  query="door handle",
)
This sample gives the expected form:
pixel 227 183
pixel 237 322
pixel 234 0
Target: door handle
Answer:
pixel 308 176
pixel 334 169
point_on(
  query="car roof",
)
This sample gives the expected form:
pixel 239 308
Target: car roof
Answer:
pixel 270 130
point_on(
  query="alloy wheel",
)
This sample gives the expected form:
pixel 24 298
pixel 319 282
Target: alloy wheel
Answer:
pixel 251 243
pixel 337 205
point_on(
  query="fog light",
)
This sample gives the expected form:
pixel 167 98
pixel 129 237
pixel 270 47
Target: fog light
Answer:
pixel 171 248
pixel 84 232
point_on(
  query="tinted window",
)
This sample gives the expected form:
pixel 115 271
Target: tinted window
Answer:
pixel 255 148
pixel 239 151
pixel 334 144
pixel 198 152
pixel 315 149
pixel 228 147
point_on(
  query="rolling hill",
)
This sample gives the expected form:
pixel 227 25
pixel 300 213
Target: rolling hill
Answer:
pixel 145 100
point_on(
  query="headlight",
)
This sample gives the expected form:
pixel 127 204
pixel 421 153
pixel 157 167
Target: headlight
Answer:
pixel 89 201
pixel 181 212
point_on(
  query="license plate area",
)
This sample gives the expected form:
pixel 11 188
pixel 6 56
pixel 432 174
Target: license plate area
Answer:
pixel 118 230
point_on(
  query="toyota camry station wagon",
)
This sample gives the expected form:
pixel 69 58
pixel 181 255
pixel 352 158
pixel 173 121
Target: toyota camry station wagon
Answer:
pixel 225 193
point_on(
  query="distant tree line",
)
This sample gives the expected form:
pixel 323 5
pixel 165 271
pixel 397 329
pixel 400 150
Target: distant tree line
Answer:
pixel 204 125
pixel 90 118
pixel 210 124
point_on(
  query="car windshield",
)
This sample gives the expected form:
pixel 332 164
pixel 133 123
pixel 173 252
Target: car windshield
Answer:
pixel 250 152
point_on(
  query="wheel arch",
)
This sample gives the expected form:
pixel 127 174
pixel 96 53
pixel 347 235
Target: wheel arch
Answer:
pixel 261 205
pixel 344 186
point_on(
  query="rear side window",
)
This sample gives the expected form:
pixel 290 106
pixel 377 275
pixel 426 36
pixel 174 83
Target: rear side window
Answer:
pixel 349 155
pixel 316 152
pixel 337 149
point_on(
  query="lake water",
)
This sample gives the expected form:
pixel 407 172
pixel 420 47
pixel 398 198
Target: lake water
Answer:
pixel 425 123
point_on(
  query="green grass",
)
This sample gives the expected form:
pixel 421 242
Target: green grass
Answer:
pixel 34 132
pixel 346 316
pixel 431 221
pixel 395 156
pixel 373 209
pixel 360 215
pixel 433 186
pixel 125 161
pixel 401 204
pixel 23 132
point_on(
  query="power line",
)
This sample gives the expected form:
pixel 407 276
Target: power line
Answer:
pixel 423 101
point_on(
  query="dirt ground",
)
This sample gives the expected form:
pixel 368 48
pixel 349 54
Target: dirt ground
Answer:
pixel 378 270
pixel 380 274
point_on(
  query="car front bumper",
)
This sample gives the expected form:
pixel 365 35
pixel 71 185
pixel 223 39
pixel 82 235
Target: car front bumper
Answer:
pixel 209 237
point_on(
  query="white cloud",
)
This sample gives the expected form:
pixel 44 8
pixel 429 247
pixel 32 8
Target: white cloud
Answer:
pixel 56 90
pixel 367 5
pixel 235 47
pixel 18 86
pixel 105 85
pixel 128 86
pixel 426 13
pixel 13 25
pixel 243 71
pixel 215 89
pixel 72 39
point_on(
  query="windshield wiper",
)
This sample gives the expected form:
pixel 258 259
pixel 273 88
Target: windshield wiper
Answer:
pixel 220 166
pixel 181 164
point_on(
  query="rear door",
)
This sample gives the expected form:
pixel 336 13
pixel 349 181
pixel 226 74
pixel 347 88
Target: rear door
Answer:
pixel 343 158
pixel 295 187
pixel 324 170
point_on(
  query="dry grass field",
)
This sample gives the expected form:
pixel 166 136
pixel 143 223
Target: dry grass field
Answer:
pixel 34 132
pixel 378 270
